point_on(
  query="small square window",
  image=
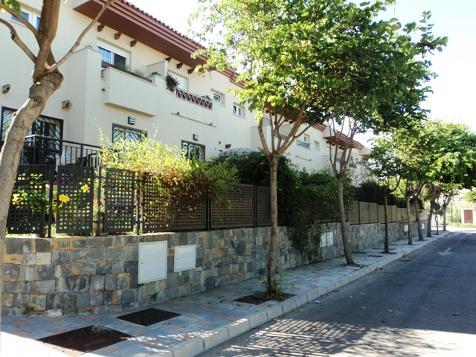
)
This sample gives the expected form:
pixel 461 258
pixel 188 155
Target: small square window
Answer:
pixel 218 98
pixel 317 145
pixel 238 110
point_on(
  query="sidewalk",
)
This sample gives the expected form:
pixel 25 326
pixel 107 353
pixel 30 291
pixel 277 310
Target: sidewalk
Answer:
pixel 205 320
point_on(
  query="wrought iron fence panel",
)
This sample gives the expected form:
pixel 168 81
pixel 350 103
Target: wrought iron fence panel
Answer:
pixel 238 211
pixel 30 202
pixel 119 207
pixel 75 199
pixel 263 206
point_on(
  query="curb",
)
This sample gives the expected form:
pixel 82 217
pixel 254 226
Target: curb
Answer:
pixel 224 333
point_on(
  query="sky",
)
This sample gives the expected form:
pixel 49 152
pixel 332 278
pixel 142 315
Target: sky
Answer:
pixel 454 94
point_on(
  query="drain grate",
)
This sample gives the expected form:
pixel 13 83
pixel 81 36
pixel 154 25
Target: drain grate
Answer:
pixel 148 316
pixel 86 339
pixel 259 298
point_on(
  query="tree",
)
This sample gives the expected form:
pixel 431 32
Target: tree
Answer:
pixel 385 85
pixel 305 62
pixel 438 154
pixel 387 168
pixel 46 79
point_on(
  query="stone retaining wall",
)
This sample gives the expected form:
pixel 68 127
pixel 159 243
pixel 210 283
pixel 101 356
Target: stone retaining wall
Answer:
pixel 97 274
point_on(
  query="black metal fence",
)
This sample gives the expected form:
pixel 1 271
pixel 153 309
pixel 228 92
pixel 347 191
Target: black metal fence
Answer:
pixel 83 200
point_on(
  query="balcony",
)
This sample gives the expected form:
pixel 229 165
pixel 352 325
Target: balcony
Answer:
pixel 41 150
pixel 125 90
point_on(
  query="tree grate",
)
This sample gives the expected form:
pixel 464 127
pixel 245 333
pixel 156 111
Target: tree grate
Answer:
pixel 87 339
pixel 260 298
pixel 148 317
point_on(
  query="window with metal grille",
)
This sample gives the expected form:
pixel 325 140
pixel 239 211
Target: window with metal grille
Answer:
pixel 48 127
pixel 193 151
pixel 120 132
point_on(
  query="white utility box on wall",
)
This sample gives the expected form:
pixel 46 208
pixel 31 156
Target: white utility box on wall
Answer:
pixel 405 228
pixel 185 257
pixel 152 261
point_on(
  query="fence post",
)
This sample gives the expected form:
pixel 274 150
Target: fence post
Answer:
pixel 139 202
pixel 98 225
pixel 358 210
pixel 51 178
pixel 255 205
pixel 208 215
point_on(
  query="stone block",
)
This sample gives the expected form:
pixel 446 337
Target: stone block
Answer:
pixel 13 259
pixel 116 297
pixel 24 287
pixel 61 257
pixel 21 300
pixel 103 268
pixel 129 296
pixel 130 253
pixel 79 283
pixel 11 272
pixel 96 298
pixel 96 253
pixel 44 272
pixel 83 267
pixel 43 258
pixel 29 258
pixel 78 243
pixel 191 347
pixel 123 280
pixel 44 286
pixel 113 253
pixel 238 327
pixel 43 245
pixel 7 299
pixel 274 311
pixel 117 267
pixel 289 305
pixel 28 246
pixel 54 313
pixel 215 337
pixel 14 246
pixel 110 282
pixel 258 318
pixel 97 282
pixel 82 299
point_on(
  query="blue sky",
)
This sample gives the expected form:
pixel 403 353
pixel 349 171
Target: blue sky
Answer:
pixel 454 97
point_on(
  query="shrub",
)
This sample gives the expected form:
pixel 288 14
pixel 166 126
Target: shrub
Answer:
pixel 179 179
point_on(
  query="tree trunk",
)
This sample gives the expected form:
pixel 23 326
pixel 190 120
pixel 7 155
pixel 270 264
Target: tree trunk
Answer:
pixel 13 145
pixel 271 273
pixel 343 222
pixel 437 225
pixel 417 212
pixel 430 216
pixel 386 243
pixel 409 222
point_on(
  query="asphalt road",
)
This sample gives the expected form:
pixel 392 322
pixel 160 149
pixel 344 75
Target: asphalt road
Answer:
pixel 421 306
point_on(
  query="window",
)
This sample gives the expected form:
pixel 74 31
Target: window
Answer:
pixel 43 126
pixel 238 110
pixel 317 145
pixel 304 141
pixel 193 151
pixel 114 56
pixel 120 132
pixel 182 82
pixel 31 17
pixel 218 98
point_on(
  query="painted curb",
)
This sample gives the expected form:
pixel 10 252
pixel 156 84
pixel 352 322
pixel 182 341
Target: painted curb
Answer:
pixel 222 334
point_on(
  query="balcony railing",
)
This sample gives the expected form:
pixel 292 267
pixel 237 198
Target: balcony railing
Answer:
pixel 193 98
pixel 303 144
pixel 41 150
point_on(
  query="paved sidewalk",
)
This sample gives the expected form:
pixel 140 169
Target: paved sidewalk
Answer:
pixel 206 320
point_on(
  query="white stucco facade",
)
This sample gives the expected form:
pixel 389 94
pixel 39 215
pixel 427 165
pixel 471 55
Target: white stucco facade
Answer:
pixel 102 97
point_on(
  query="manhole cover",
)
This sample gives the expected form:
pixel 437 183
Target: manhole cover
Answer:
pixel 259 298
pixel 86 339
pixel 148 316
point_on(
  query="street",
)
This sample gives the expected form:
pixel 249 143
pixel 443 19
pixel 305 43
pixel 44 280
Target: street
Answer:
pixel 422 305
